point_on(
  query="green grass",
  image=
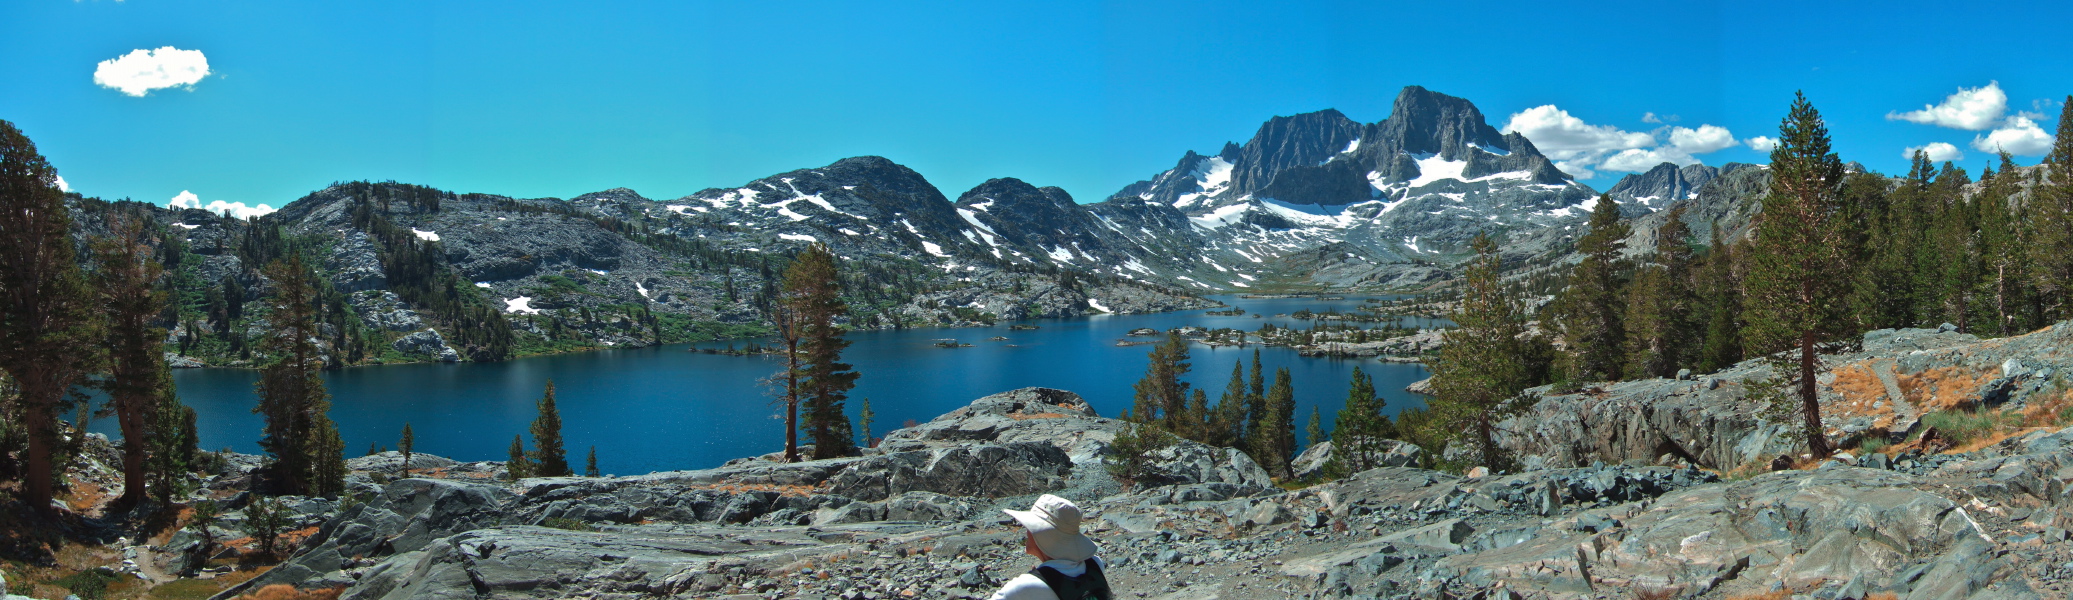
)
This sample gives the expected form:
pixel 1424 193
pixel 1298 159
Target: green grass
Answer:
pixel 567 523
pixel 1965 426
pixel 185 589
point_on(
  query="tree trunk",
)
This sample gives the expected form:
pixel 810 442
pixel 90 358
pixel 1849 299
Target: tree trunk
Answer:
pixel 791 399
pixel 131 416
pixel 40 424
pixel 1810 403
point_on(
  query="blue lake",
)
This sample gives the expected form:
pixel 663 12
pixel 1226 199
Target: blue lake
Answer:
pixel 667 408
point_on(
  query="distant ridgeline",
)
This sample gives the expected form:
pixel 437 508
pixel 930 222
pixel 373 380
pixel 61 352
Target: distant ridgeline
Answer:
pixel 1311 202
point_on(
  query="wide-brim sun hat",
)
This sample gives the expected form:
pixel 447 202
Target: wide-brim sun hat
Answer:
pixel 1055 523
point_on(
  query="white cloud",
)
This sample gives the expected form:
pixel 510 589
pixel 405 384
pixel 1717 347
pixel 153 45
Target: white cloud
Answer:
pixel 2018 135
pixel 1761 143
pixel 1650 118
pixel 62 186
pixel 141 71
pixel 1707 138
pixel 1937 151
pixel 1970 109
pixel 187 199
pixel 1580 149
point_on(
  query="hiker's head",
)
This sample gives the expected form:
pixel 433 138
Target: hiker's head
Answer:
pixel 1053 525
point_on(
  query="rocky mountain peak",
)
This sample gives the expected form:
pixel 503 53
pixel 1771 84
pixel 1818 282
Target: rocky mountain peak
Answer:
pixel 1282 143
pixel 1659 186
pixel 1422 121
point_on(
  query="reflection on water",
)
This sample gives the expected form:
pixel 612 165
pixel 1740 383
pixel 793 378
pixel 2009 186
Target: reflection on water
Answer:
pixel 665 408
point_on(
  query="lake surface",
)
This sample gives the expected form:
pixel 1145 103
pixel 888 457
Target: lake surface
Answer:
pixel 666 408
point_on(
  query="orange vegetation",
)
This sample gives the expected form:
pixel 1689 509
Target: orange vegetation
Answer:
pixel 1860 389
pixel 1943 388
pixel 282 591
pixel 784 490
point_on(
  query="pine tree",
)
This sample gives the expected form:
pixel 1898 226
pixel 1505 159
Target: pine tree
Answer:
pixel 1797 266
pixel 549 460
pixel 172 451
pixel 405 445
pixel 864 418
pixel 590 463
pixel 1276 443
pixel 2051 225
pixel 518 466
pixel 1356 442
pixel 1255 401
pixel 1161 396
pixel 811 300
pixel 1482 365
pixel 2001 246
pixel 1226 422
pixel 47 324
pixel 291 390
pixel 327 455
pixel 1722 293
pixel 127 275
pixel 1661 305
pixel 265 519
pixel 1314 432
pixel 1592 308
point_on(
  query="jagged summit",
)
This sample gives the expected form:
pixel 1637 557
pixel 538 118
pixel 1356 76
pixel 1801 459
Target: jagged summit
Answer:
pixel 1659 186
pixel 1406 191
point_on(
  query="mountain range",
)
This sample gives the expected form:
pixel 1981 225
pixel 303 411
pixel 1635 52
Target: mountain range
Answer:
pixel 1314 201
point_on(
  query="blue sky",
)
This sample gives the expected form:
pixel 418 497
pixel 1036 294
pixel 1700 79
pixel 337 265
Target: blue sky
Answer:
pixel 555 99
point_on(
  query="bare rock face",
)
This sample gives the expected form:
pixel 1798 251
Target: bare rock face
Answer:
pixel 986 471
pixel 1057 417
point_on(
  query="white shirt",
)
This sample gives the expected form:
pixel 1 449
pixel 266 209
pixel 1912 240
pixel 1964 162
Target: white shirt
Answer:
pixel 1028 586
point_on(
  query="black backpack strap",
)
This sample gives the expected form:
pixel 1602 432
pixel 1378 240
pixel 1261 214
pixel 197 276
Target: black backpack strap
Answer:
pixel 1091 586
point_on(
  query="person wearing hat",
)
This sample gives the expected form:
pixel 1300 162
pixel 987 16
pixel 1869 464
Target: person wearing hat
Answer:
pixel 1069 570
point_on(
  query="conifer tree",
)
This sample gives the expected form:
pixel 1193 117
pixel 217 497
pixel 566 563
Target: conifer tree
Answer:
pixel 549 459
pixel 1255 400
pixel 1276 442
pixel 590 463
pixel 518 466
pixel 811 300
pixel 172 451
pixel 1661 305
pixel 1482 365
pixel 1796 262
pixel 1225 425
pixel 1161 396
pixel 47 324
pixel 127 274
pixel 405 445
pixel 2002 294
pixel 292 398
pixel 865 416
pixel 1721 292
pixel 1593 307
pixel 1361 427
pixel 327 454
pixel 2051 225
pixel 1314 432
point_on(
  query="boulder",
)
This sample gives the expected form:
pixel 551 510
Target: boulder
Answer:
pixel 1033 414
pixel 980 470
pixel 1799 527
pixel 427 343
pixel 407 516
pixel 391 462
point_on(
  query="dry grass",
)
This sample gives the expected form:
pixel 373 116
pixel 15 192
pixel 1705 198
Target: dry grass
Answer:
pixel 1863 395
pixel 782 490
pixel 282 591
pixel 1048 415
pixel 1943 388
pixel 1782 594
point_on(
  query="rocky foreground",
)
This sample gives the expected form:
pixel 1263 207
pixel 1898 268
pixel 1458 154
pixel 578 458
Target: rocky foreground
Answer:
pixel 1634 489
